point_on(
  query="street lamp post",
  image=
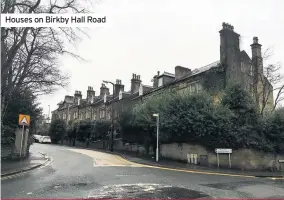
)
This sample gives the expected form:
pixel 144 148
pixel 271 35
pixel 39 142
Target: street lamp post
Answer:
pixel 48 113
pixel 112 115
pixel 157 148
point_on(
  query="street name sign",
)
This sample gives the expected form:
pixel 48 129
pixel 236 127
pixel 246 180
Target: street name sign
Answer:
pixel 223 150
pixel 24 120
pixel 281 161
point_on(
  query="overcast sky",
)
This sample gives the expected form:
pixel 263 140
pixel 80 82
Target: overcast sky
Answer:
pixel 146 36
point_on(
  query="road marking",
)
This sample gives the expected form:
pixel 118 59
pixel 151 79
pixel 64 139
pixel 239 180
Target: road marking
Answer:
pixel 116 166
pixel 132 164
pixel 189 171
pixel 198 172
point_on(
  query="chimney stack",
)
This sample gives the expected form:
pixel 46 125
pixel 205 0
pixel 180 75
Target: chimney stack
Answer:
pixel 77 96
pixel 135 83
pixel 155 80
pixel 104 90
pixel 230 53
pixel 118 87
pixel 181 72
pixel 90 94
pixel 257 60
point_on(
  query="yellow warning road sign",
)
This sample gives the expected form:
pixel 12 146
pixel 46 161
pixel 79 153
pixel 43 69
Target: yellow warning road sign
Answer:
pixel 24 120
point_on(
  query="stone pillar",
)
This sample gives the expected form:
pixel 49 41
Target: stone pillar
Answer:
pixel 25 143
pixel 18 140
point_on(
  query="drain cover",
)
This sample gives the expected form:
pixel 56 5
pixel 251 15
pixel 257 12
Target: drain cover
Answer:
pixel 145 191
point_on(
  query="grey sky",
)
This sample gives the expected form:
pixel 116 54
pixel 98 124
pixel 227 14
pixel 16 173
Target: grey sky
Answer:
pixel 144 36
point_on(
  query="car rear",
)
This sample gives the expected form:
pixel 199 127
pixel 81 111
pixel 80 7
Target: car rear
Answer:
pixel 46 139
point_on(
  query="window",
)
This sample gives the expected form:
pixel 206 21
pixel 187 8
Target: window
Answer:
pixel 102 113
pixel 192 88
pixel 198 87
pixel 108 114
pixel 251 70
pixel 195 88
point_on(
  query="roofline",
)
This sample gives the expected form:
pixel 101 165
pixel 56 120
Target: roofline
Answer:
pixel 180 80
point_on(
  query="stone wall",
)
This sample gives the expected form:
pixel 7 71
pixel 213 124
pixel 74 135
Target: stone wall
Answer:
pixel 245 159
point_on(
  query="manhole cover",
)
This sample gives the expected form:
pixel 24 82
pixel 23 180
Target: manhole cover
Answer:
pixel 145 191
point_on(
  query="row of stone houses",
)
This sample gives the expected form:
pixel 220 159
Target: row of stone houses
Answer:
pixel 234 66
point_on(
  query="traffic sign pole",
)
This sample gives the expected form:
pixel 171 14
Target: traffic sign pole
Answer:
pixel 230 160
pixel 218 159
pixel 228 151
pixel 22 140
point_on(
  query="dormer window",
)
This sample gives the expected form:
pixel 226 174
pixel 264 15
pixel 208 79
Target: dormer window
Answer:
pixel 92 99
pixel 140 90
pixel 120 95
pixel 105 98
pixel 160 82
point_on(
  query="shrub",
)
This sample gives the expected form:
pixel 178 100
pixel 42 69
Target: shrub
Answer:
pixel 194 118
pixel 57 130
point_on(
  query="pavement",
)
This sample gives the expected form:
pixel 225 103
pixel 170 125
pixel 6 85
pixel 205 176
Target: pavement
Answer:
pixel 83 173
pixel 196 168
pixel 34 161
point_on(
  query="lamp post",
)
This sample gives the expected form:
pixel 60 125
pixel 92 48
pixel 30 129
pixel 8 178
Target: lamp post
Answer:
pixel 112 115
pixel 48 113
pixel 157 149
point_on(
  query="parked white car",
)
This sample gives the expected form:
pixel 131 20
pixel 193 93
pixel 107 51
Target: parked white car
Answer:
pixel 36 138
pixel 45 139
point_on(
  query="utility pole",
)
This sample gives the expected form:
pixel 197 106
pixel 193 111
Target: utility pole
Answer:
pixel 112 115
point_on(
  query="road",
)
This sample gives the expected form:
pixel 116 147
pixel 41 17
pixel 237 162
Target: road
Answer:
pixel 80 173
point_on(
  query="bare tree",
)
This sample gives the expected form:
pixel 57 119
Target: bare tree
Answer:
pixel 30 55
pixel 272 82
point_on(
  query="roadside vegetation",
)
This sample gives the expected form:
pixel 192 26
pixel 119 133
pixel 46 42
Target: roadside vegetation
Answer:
pixel 79 130
pixel 232 122
pixel 235 122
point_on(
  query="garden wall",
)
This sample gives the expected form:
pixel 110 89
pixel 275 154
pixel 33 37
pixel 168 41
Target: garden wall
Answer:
pixel 245 159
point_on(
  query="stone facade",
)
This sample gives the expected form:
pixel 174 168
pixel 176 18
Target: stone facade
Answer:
pixel 234 66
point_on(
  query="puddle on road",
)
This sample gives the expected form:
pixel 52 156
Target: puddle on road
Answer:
pixel 145 191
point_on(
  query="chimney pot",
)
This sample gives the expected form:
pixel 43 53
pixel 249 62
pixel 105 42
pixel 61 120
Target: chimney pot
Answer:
pixel 158 73
pixel 255 40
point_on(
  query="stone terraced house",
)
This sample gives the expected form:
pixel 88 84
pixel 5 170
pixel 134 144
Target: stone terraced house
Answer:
pixel 234 66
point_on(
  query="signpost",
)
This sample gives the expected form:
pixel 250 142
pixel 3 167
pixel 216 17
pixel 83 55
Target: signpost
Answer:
pixel 228 151
pixel 24 120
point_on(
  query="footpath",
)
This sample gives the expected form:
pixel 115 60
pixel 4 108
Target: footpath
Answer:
pixel 163 163
pixel 34 160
